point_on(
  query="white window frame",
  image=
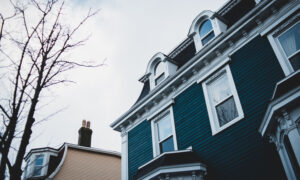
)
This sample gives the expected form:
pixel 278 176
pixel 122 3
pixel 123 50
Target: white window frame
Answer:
pixel 154 130
pixel 278 50
pixel 31 164
pixel 205 36
pixel 156 76
pixel 213 118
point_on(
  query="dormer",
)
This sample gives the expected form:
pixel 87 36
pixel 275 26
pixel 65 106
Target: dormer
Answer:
pixel 159 68
pixel 205 27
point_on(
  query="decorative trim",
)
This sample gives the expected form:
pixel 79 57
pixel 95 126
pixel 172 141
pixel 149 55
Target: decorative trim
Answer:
pixel 180 48
pixel 286 12
pixel 174 169
pixel 275 105
pixel 159 110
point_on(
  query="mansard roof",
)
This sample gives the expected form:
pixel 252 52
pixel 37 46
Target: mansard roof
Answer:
pixel 234 13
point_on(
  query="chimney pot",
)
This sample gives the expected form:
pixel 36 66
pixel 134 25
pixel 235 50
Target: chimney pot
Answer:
pixel 83 123
pixel 88 125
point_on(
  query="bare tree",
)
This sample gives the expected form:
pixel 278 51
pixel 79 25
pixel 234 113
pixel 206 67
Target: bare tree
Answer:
pixel 37 64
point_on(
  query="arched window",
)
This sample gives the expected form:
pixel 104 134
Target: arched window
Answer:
pixel 159 72
pixel 206 32
pixel 159 68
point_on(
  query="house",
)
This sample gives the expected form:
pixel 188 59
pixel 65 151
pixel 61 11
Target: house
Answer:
pixel 224 103
pixel 72 161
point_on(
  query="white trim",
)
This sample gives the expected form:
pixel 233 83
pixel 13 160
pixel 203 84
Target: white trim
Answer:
pixel 274 107
pixel 155 113
pixel 213 118
pixel 124 158
pixel 60 163
pixel 213 70
pixel 273 37
pixel 96 150
pixel 281 18
pixel 174 169
pixel 154 132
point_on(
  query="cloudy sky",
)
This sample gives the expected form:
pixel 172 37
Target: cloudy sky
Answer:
pixel 127 33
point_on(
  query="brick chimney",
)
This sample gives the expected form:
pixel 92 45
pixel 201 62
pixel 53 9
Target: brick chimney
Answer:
pixel 85 134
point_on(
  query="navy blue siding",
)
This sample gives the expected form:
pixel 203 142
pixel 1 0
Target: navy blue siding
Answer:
pixel 238 152
pixel 139 147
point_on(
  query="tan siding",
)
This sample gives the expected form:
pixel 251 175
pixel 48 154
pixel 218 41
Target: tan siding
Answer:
pixel 82 165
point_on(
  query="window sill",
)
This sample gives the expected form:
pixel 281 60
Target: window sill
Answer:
pixel 218 130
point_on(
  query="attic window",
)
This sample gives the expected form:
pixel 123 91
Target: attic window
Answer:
pixel 205 27
pixel 159 68
pixel 159 73
pixel 206 32
pixel 38 165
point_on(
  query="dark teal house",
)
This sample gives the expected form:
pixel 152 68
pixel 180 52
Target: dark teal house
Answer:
pixel 225 103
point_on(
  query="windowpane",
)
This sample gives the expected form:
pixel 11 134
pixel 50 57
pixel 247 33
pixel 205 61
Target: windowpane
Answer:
pixel 219 89
pixel 39 160
pixel 164 127
pixel 208 38
pixel 290 40
pixel 205 28
pixel 159 68
pixel 167 145
pixel 38 165
pixel 226 111
pixel 37 170
pixel 295 61
pixel 159 79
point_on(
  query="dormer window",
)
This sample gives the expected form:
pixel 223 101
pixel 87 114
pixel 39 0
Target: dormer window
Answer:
pixel 206 32
pixel 159 73
pixel 205 27
pixel 38 165
pixel 159 69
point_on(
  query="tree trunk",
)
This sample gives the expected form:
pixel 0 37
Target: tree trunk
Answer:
pixel 6 147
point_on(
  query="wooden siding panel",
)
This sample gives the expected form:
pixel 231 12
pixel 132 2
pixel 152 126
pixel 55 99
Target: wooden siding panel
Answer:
pixel 80 165
pixel 139 147
pixel 238 152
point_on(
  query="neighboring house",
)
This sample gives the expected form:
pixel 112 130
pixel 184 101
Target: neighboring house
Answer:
pixel 71 161
pixel 225 103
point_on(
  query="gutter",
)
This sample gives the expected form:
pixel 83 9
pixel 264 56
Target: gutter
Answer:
pixel 211 47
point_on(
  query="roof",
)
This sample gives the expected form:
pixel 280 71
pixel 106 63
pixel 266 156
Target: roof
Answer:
pixel 240 23
pixel 168 159
pixel 74 146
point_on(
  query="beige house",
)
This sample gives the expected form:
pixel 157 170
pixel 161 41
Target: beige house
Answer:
pixel 72 162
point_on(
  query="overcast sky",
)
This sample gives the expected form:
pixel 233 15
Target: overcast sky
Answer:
pixel 127 33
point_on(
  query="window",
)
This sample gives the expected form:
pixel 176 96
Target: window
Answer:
pixel 206 32
pixel 290 44
pixel 223 105
pixel 286 44
pixel 159 73
pixel 38 165
pixel 163 131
